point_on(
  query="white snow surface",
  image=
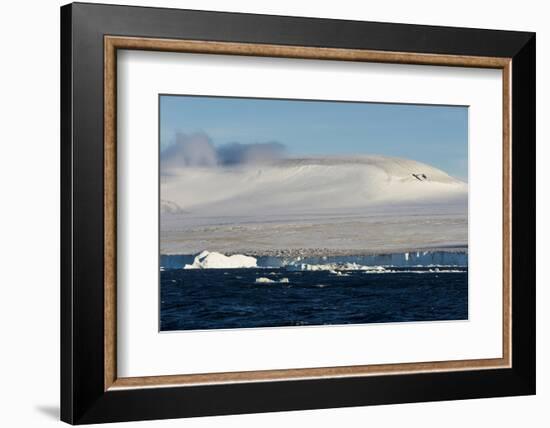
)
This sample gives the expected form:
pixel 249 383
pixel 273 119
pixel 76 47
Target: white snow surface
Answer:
pixel 371 203
pixel 214 260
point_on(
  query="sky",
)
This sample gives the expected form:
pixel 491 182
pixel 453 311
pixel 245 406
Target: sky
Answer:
pixel 436 135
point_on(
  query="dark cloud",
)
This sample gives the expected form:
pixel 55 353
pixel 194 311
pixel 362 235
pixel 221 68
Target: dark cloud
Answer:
pixel 198 150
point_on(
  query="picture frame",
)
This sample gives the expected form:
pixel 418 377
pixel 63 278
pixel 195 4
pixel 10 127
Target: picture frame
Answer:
pixel 91 390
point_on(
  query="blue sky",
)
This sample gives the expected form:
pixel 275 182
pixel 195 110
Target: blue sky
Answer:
pixel 437 135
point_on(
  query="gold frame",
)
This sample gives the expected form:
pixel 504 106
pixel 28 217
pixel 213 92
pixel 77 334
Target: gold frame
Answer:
pixel 113 43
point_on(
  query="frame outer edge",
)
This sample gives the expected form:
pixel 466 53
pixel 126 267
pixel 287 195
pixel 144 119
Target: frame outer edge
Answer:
pixel 82 385
pixel 87 211
pixel 297 30
pixel 524 215
pixel 66 143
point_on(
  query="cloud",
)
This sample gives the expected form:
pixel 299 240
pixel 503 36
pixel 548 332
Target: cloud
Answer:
pixel 237 153
pixel 190 150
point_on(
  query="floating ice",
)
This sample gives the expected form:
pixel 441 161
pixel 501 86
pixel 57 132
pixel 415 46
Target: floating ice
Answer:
pixel 214 260
pixel 334 268
pixel 338 273
pixel 437 270
pixel 264 280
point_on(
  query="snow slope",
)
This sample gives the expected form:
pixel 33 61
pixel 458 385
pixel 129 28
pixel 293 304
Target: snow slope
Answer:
pixel 360 203
pixel 307 185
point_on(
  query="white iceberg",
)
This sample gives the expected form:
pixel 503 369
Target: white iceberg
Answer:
pixel 264 280
pixel 338 273
pixel 214 260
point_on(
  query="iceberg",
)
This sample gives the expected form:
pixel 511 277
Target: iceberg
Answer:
pixel 214 260
pixel 264 280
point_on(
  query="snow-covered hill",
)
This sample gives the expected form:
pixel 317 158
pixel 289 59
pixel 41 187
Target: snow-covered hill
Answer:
pixel 304 199
pixel 307 185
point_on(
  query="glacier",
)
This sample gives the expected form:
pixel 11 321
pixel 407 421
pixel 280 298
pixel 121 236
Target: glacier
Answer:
pixel 313 207
pixel 436 262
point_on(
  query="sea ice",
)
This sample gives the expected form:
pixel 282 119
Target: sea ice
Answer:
pixel 335 268
pixel 264 280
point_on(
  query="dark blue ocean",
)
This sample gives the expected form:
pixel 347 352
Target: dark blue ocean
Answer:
pixel 197 299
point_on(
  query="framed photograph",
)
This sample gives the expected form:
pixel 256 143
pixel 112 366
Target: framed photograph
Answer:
pixel 266 213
